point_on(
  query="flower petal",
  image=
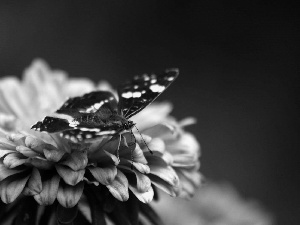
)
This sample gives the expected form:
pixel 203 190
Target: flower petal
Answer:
pixel 49 192
pixel 142 139
pixel 26 151
pixel 17 138
pixel 128 164
pixel 184 160
pixel 34 185
pixel 6 144
pixel 168 158
pixel 144 197
pixel 161 169
pixel 140 167
pixel 40 163
pixel 142 182
pixel 138 155
pixel 187 121
pixel 186 144
pixel 100 156
pixel 68 196
pixel 104 175
pixel 7 121
pixel 5 172
pixel 119 187
pixel 44 85
pixel 103 85
pixel 157 144
pixel 6 152
pixel 189 181
pixel 89 181
pixel 70 176
pixel 12 187
pixel 53 155
pixel 13 160
pixel 162 130
pixel 112 157
pixel 4 106
pixel 155 113
pixel 77 160
pixel 112 144
pixel 12 93
pixel 37 144
pixel 166 187
pixel 60 143
pixel 3 133
pixel 193 176
pixel 78 86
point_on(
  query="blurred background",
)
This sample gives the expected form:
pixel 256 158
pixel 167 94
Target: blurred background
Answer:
pixel 239 64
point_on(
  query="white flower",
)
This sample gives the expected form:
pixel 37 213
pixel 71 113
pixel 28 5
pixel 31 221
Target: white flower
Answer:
pixel 49 167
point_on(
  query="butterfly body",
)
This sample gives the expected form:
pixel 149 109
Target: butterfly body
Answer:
pixel 98 113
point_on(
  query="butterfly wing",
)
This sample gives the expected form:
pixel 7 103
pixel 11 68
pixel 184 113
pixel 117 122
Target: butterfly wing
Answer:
pixel 91 102
pixel 142 90
pixel 89 111
pixel 83 134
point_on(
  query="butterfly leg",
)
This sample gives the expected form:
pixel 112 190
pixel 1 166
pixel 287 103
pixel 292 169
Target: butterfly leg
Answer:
pixel 132 149
pixel 118 154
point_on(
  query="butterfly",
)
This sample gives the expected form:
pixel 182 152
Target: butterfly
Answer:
pixel 98 113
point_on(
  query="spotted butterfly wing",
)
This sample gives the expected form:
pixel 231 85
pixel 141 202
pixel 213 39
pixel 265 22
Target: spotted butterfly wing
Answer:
pixel 136 94
pixel 90 112
pixel 91 102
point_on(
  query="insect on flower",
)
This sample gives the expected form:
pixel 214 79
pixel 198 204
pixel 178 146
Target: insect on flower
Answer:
pixel 98 113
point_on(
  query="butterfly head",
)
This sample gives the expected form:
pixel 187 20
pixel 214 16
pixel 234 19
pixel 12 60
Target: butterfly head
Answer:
pixel 128 125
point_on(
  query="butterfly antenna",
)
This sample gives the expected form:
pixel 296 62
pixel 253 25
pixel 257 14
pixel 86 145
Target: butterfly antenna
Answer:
pixel 143 140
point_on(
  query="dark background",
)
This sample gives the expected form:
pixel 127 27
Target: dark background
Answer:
pixel 239 66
